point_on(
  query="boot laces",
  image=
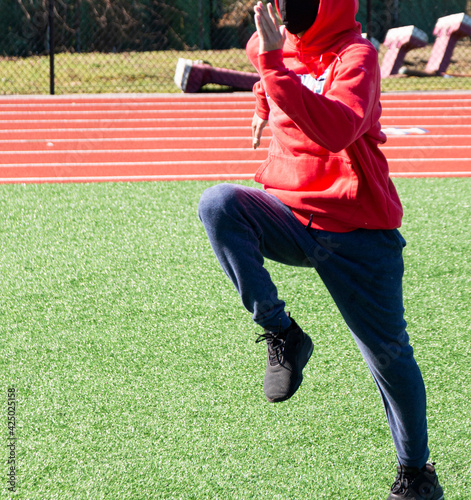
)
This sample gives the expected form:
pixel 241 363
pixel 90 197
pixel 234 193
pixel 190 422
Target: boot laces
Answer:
pixel 401 483
pixel 275 344
pixel 404 479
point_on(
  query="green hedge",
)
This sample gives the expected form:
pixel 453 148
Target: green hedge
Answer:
pixel 98 25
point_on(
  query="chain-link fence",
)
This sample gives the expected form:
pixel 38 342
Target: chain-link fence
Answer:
pixel 90 46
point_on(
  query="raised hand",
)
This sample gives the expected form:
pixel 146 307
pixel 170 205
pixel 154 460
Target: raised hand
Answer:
pixel 270 35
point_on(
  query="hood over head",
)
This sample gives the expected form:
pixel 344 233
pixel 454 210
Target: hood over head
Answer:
pixel 333 19
pixel 298 15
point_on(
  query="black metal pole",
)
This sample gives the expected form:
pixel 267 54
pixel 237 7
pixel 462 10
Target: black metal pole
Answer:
pixel 51 47
pixel 368 19
pixel 78 27
pixel 211 23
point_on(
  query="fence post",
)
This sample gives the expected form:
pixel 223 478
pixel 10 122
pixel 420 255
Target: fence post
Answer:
pixel 51 47
pixel 368 20
pixel 78 27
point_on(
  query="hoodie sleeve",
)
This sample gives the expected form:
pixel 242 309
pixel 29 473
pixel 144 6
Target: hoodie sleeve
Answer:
pixel 348 109
pixel 262 109
pixel 261 106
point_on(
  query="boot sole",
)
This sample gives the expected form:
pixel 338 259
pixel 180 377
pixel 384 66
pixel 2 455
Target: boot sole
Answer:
pixel 393 496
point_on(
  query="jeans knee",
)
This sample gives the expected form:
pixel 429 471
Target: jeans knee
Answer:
pixel 216 200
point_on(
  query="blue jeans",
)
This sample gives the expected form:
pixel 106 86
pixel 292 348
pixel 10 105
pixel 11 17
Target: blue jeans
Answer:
pixel 363 272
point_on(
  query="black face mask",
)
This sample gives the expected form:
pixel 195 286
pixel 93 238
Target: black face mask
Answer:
pixel 298 15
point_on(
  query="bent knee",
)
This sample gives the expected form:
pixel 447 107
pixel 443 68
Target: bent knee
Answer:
pixel 217 199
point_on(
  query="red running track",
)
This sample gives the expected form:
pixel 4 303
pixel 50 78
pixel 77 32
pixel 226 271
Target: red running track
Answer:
pixel 201 136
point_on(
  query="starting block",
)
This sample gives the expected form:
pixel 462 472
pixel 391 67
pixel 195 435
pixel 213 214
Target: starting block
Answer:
pixel 448 31
pixel 190 76
pixel 399 41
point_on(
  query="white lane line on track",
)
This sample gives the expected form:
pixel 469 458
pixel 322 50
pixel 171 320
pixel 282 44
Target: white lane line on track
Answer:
pixel 211 127
pixel 190 150
pixel 391 104
pixel 427 146
pixel 200 162
pixel 132 120
pixel 186 102
pixel 199 120
pixel 75 105
pixel 131 150
pixel 432 174
pixel 122 129
pixel 425 125
pixel 135 139
pixel 123 113
pixel 424 137
pixel 224 111
pixel 120 97
pixel 198 139
pixel 183 177
pixel 423 160
pixel 124 178
pixel 128 163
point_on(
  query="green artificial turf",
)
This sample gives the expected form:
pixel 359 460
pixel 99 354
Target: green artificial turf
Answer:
pixel 135 368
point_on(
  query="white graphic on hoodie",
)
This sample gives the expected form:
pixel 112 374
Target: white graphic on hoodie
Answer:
pixel 316 85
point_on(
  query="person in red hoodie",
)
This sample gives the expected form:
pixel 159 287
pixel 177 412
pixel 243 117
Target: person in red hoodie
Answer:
pixel 328 203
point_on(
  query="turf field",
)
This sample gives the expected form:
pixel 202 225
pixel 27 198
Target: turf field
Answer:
pixel 135 370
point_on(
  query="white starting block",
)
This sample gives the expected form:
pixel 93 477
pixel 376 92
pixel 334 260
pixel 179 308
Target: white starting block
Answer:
pixel 183 71
pixel 190 76
pixel 448 31
pixel 399 41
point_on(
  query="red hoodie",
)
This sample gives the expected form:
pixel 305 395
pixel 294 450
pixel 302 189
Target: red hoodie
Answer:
pixel 321 96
